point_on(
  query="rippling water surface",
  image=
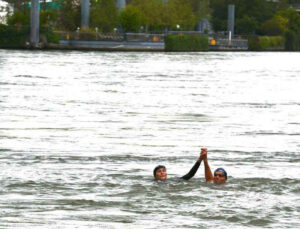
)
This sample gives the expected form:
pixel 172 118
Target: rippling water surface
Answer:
pixel 80 134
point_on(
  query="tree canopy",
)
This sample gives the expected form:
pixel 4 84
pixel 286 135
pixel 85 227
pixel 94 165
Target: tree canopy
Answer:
pixel 262 17
pixel 104 15
pixel 249 14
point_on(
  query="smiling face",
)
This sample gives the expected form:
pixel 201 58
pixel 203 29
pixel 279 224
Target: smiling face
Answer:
pixel 161 174
pixel 219 177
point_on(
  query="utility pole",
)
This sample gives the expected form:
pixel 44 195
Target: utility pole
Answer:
pixel 85 14
pixel 34 23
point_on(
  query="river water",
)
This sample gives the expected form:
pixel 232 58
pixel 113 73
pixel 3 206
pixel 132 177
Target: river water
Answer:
pixel 80 134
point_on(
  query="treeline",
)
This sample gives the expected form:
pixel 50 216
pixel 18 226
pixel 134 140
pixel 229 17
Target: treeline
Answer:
pixel 253 18
pixel 145 15
pixel 268 25
pixel 158 15
pixel 260 17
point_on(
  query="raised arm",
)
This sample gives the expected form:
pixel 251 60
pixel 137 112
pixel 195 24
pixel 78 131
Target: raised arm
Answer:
pixel 208 174
pixel 193 170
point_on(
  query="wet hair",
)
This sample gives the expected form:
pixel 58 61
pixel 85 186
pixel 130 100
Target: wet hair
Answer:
pixel 221 170
pixel 157 168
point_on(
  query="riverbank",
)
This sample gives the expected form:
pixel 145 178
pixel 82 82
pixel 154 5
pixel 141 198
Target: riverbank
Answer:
pixel 107 45
pixel 127 46
pixel 19 38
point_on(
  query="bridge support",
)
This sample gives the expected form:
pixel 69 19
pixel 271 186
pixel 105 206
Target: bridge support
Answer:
pixel 85 14
pixel 121 4
pixel 34 23
pixel 230 23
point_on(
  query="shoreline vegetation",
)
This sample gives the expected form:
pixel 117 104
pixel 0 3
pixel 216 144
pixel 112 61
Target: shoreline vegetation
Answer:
pixel 157 25
pixel 17 37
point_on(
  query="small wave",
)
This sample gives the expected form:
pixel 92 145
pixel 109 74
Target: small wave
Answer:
pixel 251 105
pixel 31 184
pixel 263 133
pixel 30 76
pixel 260 222
pixel 277 187
pixel 39 128
pixel 5 150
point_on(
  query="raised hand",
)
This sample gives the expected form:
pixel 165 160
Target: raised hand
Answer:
pixel 203 154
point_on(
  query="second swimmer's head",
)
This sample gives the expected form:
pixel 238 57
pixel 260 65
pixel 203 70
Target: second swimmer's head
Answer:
pixel 220 176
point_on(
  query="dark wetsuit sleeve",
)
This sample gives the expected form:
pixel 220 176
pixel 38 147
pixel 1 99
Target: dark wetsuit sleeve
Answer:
pixel 192 172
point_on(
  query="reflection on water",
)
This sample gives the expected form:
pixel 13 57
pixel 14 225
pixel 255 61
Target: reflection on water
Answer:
pixel 80 133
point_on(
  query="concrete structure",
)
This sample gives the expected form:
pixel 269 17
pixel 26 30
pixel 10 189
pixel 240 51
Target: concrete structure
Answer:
pixel 34 23
pixel 121 4
pixel 204 26
pixel 85 13
pixel 110 45
pixel 230 22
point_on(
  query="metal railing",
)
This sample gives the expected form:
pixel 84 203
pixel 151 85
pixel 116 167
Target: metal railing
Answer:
pixel 89 36
pixel 223 40
pixel 93 36
pixel 186 32
pixel 216 41
pixel 232 42
pixel 144 37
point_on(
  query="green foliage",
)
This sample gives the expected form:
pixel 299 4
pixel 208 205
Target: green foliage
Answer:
pixel 219 14
pixel 131 19
pixel 50 35
pixel 48 17
pixel 261 10
pixel 17 36
pixel 249 14
pixel 69 14
pixel 277 42
pixel 293 18
pixel 275 26
pixel 180 12
pixel 292 41
pixel 151 12
pixel 201 9
pixel 281 22
pixel 19 19
pixel 13 37
pixel 262 17
pixel 246 25
pixel 182 42
pixel 157 15
pixel 104 15
pixel 265 43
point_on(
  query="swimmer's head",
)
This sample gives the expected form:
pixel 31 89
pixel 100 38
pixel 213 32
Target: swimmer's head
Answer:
pixel 160 172
pixel 220 176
